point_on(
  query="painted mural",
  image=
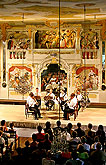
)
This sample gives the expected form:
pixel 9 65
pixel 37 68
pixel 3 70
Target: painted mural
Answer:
pixel 20 78
pixel 86 78
pixel 50 39
pixel 18 40
pixel 89 40
pixel 52 78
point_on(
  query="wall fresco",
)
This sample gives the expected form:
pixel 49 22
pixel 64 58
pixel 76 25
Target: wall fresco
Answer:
pixel 89 40
pixel 86 78
pixel 20 78
pixel 50 39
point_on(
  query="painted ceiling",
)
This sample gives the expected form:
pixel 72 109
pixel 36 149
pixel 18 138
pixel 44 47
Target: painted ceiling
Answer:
pixel 38 10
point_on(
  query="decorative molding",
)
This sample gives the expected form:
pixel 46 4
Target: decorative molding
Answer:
pixel 103 30
pixel 3 27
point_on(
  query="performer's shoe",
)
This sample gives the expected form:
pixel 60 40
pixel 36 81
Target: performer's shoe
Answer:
pixel 40 117
pixel 36 119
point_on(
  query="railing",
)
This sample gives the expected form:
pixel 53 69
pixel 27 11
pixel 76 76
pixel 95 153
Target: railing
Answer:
pixel 89 54
pixel 17 54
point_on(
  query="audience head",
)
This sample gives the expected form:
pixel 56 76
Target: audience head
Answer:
pixel 3 122
pixel 58 123
pixel 90 126
pixel 78 125
pixel 69 125
pixel 34 137
pixel 80 148
pixel 27 143
pixel 39 128
pixel 96 139
pixel 98 146
pixel 11 125
pixel 83 139
pixel 48 124
pixel 100 127
pixel 74 134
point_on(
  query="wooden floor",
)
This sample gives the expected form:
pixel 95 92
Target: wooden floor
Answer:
pixel 16 114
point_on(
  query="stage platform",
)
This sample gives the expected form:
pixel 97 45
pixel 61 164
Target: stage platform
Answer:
pixel 16 114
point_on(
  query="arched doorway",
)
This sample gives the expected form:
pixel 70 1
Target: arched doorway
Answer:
pixel 53 77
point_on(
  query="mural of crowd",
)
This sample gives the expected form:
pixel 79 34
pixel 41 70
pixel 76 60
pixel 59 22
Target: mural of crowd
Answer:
pixel 20 78
pixel 50 39
pixel 18 41
pixel 86 78
pixel 89 40
pixel 53 80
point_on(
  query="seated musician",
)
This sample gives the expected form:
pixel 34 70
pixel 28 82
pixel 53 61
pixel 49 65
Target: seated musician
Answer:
pixel 50 100
pixel 63 98
pixel 38 97
pixel 33 105
pixel 70 105
pixel 79 98
pixel 53 82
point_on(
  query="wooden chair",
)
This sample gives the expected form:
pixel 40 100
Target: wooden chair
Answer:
pixel 49 99
pixel 75 113
pixel 27 111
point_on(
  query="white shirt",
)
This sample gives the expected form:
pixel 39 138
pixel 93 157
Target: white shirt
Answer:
pixel 28 98
pixel 79 97
pixel 53 80
pixel 72 103
pixel 31 102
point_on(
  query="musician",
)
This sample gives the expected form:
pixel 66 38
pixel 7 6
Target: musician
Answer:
pixel 33 105
pixel 79 99
pixel 62 98
pixel 53 82
pixel 51 100
pixel 38 97
pixel 70 105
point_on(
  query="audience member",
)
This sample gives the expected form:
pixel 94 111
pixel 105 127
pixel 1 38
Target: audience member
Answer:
pixel 39 135
pixel 48 160
pixel 98 156
pixel 96 140
pixel 90 129
pixel 3 126
pixel 85 145
pixel 82 154
pixel 79 131
pixel 101 134
pixel 58 128
pixel 34 143
pixel 49 130
pixel 74 160
pixel 89 138
pixel 46 143
pixel 74 141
